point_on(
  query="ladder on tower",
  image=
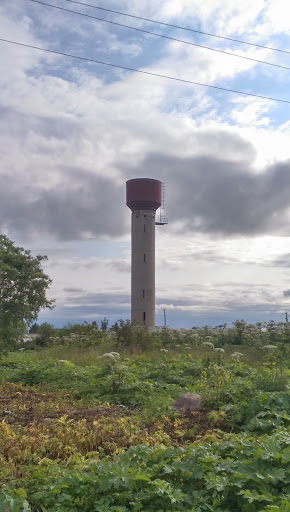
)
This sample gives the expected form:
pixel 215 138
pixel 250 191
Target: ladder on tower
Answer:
pixel 161 220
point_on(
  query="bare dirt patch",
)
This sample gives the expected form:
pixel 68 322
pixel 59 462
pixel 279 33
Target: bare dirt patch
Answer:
pixel 19 404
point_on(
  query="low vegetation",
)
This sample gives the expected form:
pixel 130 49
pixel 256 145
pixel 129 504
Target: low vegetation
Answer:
pixel 88 423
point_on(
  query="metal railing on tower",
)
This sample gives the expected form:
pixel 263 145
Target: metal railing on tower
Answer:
pixel 161 220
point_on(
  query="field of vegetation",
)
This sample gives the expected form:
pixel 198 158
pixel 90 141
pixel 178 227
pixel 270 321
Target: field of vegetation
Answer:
pixel 88 420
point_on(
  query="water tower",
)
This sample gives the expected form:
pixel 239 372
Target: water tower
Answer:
pixel 143 196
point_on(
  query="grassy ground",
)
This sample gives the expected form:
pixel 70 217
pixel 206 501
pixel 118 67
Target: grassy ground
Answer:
pixel 82 433
pixel 89 356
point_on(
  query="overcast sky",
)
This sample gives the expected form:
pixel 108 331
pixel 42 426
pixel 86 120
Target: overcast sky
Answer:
pixel 72 132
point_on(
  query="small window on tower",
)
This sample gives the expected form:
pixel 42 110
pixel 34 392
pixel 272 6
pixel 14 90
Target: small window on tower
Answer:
pixel 144 215
pixel 144 316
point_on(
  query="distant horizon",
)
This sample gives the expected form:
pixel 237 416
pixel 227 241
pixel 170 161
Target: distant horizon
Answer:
pixel 58 323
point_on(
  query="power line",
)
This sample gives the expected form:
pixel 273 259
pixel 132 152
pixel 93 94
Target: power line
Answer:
pixel 161 35
pixel 179 27
pixel 144 72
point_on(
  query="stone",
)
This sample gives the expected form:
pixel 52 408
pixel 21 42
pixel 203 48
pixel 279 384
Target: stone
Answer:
pixel 187 403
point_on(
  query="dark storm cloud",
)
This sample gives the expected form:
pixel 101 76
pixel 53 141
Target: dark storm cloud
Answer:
pixel 223 196
pixel 82 205
pixel 216 195
pixel 283 261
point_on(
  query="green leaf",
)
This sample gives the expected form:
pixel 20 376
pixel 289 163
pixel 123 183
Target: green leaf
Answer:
pixel 22 493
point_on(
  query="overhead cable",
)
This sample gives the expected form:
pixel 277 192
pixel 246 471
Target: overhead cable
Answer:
pixel 178 26
pixel 150 73
pixel 161 35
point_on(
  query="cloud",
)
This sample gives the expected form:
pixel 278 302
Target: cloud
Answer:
pixel 197 304
pixel 219 196
pixel 82 205
pixel 283 261
pixel 276 15
pixel 220 296
pixel 176 257
pixel 286 293
pixel 120 265
pixel 214 191
pixel 86 305
pixel 73 290
pixel 70 143
pixel 205 194
pixel 92 263
pixel 228 16
pixel 97 299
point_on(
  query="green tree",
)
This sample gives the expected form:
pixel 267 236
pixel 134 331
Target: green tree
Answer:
pixel 34 328
pixel 240 327
pixel 104 324
pixel 23 286
pixel 44 333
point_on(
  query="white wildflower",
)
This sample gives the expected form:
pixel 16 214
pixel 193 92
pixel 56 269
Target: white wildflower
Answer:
pixel 219 350
pixel 108 356
pixel 66 363
pixel 269 347
pixel 236 356
pixel 163 350
pixel 207 344
pixel 115 354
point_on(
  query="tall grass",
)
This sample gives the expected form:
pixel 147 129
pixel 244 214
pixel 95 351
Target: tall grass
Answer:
pixel 88 356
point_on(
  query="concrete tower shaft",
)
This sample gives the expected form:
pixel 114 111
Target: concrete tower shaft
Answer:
pixel 143 198
pixel 143 268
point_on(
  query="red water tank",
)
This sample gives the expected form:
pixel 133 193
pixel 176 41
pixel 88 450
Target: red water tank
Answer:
pixel 143 194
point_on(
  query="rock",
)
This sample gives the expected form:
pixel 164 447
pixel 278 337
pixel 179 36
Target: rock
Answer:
pixel 9 413
pixel 187 403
